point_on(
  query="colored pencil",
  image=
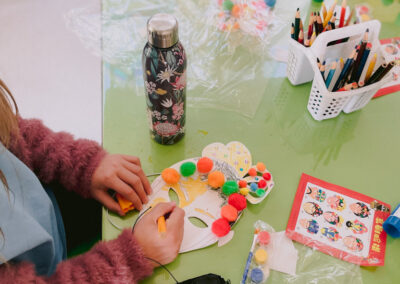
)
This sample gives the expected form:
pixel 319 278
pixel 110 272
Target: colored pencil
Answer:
pixel 292 31
pixel 376 74
pixel 359 56
pixel 301 37
pixel 386 70
pixel 318 63
pixel 307 43
pixel 342 74
pixel 349 87
pixel 319 24
pixel 333 20
pixel 313 37
pixel 330 13
pixel 362 63
pixel 349 18
pixel 322 70
pixel 310 26
pixel 315 23
pixel 341 64
pixel 342 14
pixel 297 25
pixel 330 74
pixel 370 68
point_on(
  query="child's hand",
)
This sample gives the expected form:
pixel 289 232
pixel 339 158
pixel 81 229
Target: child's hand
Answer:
pixel 162 247
pixel 123 174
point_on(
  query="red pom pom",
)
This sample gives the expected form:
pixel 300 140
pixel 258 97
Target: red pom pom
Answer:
pixel 220 227
pixel 252 172
pixel 267 176
pixel 238 201
pixel 262 184
pixel 242 183
pixel 204 165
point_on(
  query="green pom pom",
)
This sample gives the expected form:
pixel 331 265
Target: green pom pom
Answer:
pixel 227 5
pixel 230 187
pixel 260 192
pixel 188 168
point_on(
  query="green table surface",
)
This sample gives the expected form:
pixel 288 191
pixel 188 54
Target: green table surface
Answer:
pixel 360 151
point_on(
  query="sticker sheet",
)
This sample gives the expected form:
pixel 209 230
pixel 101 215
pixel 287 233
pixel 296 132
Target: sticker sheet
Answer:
pixel 339 222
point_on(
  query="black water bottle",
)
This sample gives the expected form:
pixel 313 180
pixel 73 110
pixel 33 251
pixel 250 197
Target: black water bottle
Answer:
pixel 164 73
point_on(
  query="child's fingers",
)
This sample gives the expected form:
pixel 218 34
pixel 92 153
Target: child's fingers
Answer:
pixel 139 172
pixel 108 202
pixel 135 183
pixel 175 219
pixel 162 209
pixel 126 191
pixel 132 159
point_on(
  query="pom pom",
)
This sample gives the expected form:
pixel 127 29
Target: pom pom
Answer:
pixel 216 179
pixel 261 256
pixel 170 176
pixel 262 184
pixel 252 172
pixel 205 165
pixel 253 186
pixel 260 192
pixel 264 237
pixel 220 227
pixel 236 11
pixel 242 183
pixel 229 212
pixel 260 167
pixel 257 275
pixel 244 191
pixel 266 176
pixel 238 201
pixel 188 168
pixel 227 5
pixel 230 187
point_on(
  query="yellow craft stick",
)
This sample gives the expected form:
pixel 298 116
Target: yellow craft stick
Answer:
pixel 370 68
pixel 162 226
pixel 329 15
pixel 323 10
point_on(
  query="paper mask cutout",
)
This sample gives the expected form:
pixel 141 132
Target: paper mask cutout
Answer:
pixel 198 200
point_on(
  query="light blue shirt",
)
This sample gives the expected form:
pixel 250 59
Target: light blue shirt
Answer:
pixel 29 218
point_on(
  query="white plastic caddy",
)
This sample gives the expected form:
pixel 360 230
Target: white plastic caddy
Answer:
pixel 302 67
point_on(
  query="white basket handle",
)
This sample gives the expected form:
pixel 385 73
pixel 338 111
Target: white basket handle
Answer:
pixel 319 46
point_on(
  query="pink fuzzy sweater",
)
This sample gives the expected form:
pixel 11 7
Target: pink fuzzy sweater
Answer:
pixel 58 157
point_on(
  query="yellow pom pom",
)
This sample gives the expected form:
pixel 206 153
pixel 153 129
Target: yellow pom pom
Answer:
pixel 244 191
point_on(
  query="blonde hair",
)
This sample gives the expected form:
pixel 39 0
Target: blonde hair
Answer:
pixel 8 127
pixel 8 114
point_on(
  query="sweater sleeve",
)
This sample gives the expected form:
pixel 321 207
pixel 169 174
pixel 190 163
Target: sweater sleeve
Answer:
pixel 58 157
pixel 117 261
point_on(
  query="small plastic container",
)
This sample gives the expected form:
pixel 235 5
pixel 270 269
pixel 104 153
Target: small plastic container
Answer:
pixel 322 103
pixel 392 223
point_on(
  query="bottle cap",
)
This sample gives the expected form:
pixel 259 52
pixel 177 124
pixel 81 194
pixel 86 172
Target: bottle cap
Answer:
pixel 392 224
pixel 162 30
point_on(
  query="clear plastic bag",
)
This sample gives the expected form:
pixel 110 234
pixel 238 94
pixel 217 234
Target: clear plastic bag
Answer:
pixel 226 67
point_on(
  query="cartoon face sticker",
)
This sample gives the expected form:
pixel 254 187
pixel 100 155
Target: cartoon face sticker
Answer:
pixel 353 243
pixel 356 227
pixel 360 209
pixel 312 208
pixel 333 218
pixel 336 202
pixel 331 233
pixel 315 193
pixel 311 225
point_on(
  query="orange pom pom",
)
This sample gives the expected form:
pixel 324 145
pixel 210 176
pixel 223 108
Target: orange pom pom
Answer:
pixel 205 165
pixel 170 176
pixel 261 166
pixel 236 11
pixel 236 26
pixel 229 212
pixel 252 172
pixel 242 183
pixel 216 179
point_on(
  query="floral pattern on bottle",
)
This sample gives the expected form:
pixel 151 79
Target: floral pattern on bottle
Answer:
pixel 165 86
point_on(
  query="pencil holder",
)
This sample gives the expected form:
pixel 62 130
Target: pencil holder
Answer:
pixel 298 70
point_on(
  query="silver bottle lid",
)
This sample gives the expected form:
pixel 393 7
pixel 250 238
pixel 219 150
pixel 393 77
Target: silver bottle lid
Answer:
pixel 162 30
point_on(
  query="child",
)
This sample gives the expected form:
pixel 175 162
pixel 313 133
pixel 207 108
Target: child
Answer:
pixel 32 237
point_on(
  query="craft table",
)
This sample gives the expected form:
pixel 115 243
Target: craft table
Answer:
pixel 359 151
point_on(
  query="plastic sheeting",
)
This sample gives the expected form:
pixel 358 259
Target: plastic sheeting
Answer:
pixel 226 66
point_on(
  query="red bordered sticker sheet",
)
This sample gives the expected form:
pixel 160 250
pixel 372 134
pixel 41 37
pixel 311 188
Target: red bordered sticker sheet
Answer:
pixel 338 221
pixel 391 49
